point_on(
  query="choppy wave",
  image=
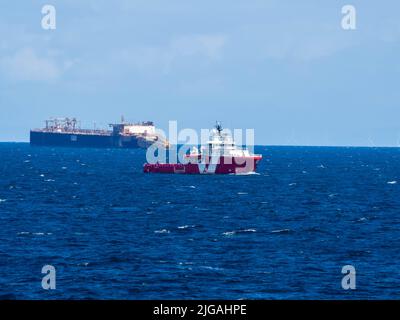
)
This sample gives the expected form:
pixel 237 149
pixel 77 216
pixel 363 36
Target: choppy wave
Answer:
pixel 34 233
pixel 252 173
pixel 162 231
pixel 186 226
pixel 281 231
pixel 231 233
pixel 84 264
pixel 330 218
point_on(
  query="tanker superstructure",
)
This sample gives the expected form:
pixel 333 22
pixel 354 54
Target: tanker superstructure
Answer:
pixel 66 132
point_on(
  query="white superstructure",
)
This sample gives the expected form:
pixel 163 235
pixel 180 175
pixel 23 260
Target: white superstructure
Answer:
pixel 221 144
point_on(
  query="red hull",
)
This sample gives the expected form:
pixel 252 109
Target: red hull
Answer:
pixel 225 165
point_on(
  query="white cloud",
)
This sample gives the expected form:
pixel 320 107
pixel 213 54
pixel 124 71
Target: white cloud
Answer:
pixel 209 46
pixel 26 65
pixel 294 41
pixel 202 48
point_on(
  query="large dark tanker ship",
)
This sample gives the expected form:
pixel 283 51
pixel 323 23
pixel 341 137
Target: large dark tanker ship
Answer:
pixel 67 132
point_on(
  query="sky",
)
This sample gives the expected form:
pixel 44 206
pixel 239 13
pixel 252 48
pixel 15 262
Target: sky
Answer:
pixel 285 68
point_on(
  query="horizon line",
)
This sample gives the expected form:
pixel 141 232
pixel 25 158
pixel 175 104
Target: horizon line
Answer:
pixel 268 145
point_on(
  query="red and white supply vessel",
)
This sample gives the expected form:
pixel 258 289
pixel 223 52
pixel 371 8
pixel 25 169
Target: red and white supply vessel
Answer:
pixel 219 156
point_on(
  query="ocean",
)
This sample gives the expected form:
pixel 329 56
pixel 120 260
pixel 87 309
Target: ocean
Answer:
pixel 113 232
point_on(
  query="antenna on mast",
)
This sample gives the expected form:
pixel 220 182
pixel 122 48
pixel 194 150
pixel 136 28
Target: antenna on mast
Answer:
pixel 218 126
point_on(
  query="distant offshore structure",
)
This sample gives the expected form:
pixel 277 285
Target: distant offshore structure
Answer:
pixel 66 132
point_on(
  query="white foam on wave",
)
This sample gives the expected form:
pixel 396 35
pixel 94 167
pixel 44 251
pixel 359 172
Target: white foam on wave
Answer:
pixel 249 230
pixel 34 233
pixel 211 268
pixel 186 226
pixel 85 264
pixel 281 231
pixel 391 182
pixel 252 173
pixel 242 193
pixel 231 233
pixel 162 231
pixel 3 200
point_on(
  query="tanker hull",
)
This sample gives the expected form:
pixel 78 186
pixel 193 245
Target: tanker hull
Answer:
pixel 66 132
pixel 39 138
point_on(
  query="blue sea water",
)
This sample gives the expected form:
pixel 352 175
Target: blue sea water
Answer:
pixel 113 232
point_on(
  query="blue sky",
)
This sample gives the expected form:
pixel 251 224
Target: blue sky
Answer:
pixel 285 68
